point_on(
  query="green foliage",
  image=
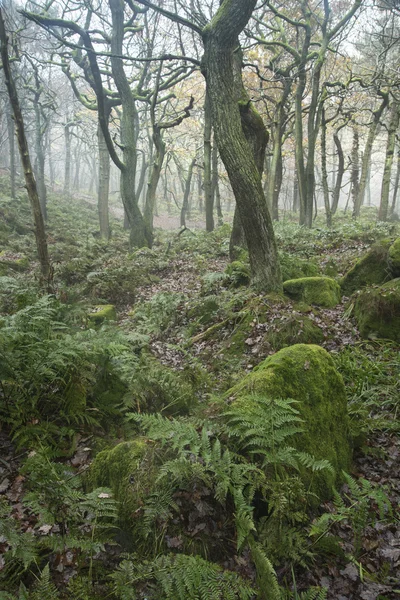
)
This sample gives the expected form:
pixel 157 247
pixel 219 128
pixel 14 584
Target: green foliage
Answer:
pixel 179 577
pixel 293 267
pixel 157 315
pixel 44 589
pixel 239 273
pixel 357 508
pixel 50 372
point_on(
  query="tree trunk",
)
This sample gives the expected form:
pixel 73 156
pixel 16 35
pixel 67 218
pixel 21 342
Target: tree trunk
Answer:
pixel 186 193
pixel 366 161
pixel 40 234
pixel 355 166
pixel 390 148
pixel 241 138
pixel 324 174
pixel 208 192
pixel 396 185
pixel 158 159
pixel 339 175
pixel 67 168
pixel 104 185
pixel 11 147
pixel 214 183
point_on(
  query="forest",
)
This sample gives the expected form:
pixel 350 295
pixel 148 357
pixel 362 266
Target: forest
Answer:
pixel 199 299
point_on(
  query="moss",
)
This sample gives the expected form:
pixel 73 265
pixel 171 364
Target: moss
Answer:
pixel 373 268
pixel 205 310
pixel 322 291
pixel 239 273
pixel 293 329
pixel 394 258
pixel 377 311
pixel 118 469
pixel 307 374
pixel 102 313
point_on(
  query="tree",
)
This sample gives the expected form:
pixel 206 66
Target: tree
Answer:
pixel 239 131
pixel 40 234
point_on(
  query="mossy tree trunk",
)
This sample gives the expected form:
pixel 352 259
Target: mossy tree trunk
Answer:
pixel 40 234
pixel 241 137
pixel 355 165
pixel 324 171
pixel 186 192
pixel 390 148
pixel 396 185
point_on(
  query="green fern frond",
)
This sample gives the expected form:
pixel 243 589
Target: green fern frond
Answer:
pixel 44 589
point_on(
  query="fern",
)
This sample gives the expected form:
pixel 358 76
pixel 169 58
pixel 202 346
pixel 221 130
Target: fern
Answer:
pixel 180 577
pixel 357 506
pixel 264 427
pixel 44 589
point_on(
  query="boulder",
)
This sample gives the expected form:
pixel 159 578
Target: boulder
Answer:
pixel 306 373
pixel 322 291
pixel 394 258
pixel 377 311
pixel 373 268
pixel 99 314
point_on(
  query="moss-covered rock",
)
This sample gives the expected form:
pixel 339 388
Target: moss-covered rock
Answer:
pixel 377 311
pixel 394 258
pixel 101 313
pixel 293 329
pixel 373 268
pixel 307 374
pixel 322 291
pixel 118 469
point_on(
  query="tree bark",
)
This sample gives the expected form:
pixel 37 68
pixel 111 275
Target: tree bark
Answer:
pixel 366 161
pixel 208 192
pixel 104 185
pixel 40 234
pixel 158 160
pixel 355 166
pixel 340 172
pixel 241 138
pixel 186 193
pixel 324 171
pixel 11 148
pixel 390 148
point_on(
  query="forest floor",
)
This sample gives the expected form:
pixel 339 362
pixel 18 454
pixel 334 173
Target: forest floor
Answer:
pixel 198 322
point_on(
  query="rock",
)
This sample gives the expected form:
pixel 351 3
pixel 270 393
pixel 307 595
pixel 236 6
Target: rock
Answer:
pixel 373 268
pixel 394 258
pixel 293 329
pixel 377 311
pixel 322 291
pixel 101 313
pixel 306 373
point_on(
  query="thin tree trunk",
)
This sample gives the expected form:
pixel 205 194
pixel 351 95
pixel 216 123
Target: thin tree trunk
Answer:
pixel 104 185
pixel 186 194
pixel 355 166
pixel 40 234
pixel 208 192
pixel 339 174
pixel 390 148
pixel 324 176
pixel 158 159
pixel 11 146
pixel 396 185
pixel 366 161
pixel 67 168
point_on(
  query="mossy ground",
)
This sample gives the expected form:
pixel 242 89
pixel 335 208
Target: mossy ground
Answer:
pixel 394 258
